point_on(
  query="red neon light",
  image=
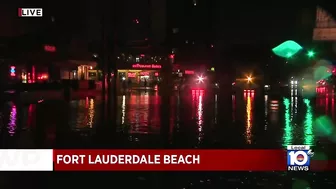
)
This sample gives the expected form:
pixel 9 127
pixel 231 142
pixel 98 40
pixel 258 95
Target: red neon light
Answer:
pixel 189 72
pixel 172 56
pixel 156 74
pixel 49 48
pixel 142 55
pixel 149 66
pixel 12 71
pixel 131 74
pixel 144 73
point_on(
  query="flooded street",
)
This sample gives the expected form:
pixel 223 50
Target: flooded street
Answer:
pixel 195 121
pixel 257 120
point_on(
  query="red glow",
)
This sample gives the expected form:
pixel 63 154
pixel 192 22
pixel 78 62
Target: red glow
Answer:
pixel 42 77
pixel 189 72
pixel 156 74
pixel 142 55
pixel 33 73
pixel 172 56
pixel 131 74
pixel 144 73
pixel 49 48
pixel 148 66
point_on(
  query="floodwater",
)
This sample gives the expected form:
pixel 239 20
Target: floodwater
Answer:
pixel 193 120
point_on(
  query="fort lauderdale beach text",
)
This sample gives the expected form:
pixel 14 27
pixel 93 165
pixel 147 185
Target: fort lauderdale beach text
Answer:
pixel 128 159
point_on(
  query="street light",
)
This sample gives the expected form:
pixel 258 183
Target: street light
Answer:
pixel 249 79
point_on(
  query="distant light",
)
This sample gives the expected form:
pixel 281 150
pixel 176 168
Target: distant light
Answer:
pixel 49 48
pixel 95 55
pixel 213 69
pixel 136 21
pixel 311 54
pixel 123 78
pixel 200 79
pixel 249 79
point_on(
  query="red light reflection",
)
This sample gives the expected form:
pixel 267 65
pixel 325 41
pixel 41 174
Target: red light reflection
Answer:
pixel 248 93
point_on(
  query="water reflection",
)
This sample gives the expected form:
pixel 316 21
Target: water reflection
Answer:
pixel 139 113
pixel 83 113
pixel 197 108
pixel 200 117
pixel 274 111
pixel 308 124
pixel 12 121
pixel 233 107
pixel 288 130
pixel 249 95
pixel 266 111
pixel 91 113
pixel 123 109
pixel 216 108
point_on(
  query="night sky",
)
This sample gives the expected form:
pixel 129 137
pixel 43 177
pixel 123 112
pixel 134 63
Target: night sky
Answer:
pixel 223 21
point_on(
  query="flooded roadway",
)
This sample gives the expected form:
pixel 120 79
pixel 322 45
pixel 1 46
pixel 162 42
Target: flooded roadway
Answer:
pixel 195 121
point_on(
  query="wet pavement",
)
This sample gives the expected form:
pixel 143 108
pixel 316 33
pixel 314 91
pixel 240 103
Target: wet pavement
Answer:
pixel 194 120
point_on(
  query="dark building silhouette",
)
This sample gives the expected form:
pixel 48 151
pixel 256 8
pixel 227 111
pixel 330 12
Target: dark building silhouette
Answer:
pixel 190 30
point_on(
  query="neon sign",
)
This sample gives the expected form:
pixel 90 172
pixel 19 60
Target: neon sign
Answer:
pixel 144 73
pixel 12 71
pixel 131 74
pixel 156 74
pixel 189 72
pixel 148 66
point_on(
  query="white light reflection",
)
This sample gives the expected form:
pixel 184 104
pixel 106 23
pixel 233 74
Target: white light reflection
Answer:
pixel 200 116
pixel 266 111
pixel 123 109
pixel 12 121
pixel 91 113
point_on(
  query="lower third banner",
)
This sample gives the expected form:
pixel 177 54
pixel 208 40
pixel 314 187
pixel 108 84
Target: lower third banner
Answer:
pixel 170 160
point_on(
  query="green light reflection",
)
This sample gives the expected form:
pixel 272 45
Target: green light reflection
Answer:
pixel 308 124
pixel 288 131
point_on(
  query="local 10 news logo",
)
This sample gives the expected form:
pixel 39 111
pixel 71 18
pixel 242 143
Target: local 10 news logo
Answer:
pixel 298 157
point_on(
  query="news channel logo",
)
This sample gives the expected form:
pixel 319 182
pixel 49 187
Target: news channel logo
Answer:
pixel 298 157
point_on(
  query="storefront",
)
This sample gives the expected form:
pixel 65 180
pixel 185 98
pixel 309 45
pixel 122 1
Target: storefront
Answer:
pixel 28 74
pixel 140 74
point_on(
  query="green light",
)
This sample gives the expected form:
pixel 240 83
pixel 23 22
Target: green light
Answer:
pixel 311 54
pixel 288 131
pixel 213 69
pixel 287 49
pixel 308 124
